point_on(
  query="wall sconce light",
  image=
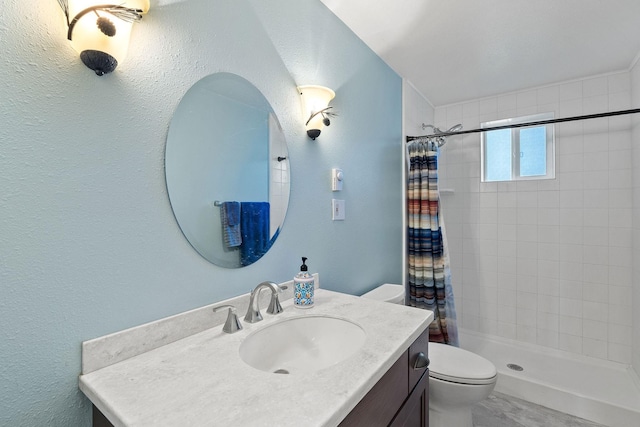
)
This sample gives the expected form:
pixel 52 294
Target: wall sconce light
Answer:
pixel 100 32
pixel 315 107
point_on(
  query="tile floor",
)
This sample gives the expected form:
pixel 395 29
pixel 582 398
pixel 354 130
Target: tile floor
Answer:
pixel 500 410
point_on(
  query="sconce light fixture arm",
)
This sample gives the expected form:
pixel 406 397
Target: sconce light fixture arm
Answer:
pixel 126 14
pixel 325 112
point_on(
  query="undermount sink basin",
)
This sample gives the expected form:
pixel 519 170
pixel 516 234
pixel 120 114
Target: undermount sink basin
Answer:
pixel 302 344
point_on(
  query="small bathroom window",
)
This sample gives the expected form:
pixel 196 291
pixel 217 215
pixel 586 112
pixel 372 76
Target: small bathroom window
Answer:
pixel 518 153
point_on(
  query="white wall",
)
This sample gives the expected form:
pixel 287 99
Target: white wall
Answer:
pixel 88 241
pixel 547 262
pixel 635 135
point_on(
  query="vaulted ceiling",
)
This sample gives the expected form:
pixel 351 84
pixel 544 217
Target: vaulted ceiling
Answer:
pixel 455 50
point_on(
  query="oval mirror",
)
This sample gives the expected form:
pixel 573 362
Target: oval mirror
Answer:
pixel 227 170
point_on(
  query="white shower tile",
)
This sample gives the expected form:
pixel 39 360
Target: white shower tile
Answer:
pixel 570 253
pixel 527 333
pixel 488 106
pixel 573 162
pixel 569 108
pixel 548 216
pixel 620 178
pixel 524 186
pixel 596 274
pixel 549 286
pixel 507 199
pixel 620 353
pixel 621 276
pixel 548 95
pixel 549 199
pixel 548 268
pixel 595 310
pixel 596 255
pixel 595 329
pixel 595 292
pixel 571 199
pixel 596 198
pixel 507 330
pixel 547 338
pixel 572 235
pixel 594 348
pixel 549 305
pixel 620 314
pixel 507 103
pixel 548 234
pixel 620 198
pixel 570 325
pixel 527 99
pixel 527 216
pixel 527 283
pixel 507 298
pixel 620 218
pixel 620 159
pixel 471 109
pixel 620 334
pixel 571 217
pixel 507 281
pixel 507 232
pixel 507 216
pixel 527 253
pixel 595 217
pixel 596 236
pixel 570 306
pixel 548 251
pixel 570 90
pixel 571 180
pixel 619 101
pixel 596 161
pixel 620 139
pixel 620 257
pixel 595 86
pixel 570 343
pixel 619 83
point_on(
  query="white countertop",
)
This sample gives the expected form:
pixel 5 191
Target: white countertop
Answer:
pixel 200 380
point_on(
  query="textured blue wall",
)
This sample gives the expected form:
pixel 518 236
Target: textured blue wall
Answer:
pixel 88 242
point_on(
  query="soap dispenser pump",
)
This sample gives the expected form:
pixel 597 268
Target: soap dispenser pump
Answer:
pixel 303 285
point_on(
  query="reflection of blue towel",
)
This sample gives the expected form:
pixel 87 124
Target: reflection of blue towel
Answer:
pixel 230 218
pixel 254 226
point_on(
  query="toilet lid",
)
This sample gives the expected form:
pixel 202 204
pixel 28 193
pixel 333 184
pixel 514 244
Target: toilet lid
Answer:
pixel 387 292
pixel 454 364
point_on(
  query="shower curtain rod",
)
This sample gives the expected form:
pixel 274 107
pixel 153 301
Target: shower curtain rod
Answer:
pixel 520 125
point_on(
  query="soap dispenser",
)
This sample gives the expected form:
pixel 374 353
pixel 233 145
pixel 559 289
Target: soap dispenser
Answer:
pixel 303 287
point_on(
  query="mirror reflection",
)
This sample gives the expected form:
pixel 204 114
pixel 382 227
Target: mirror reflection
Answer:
pixel 227 170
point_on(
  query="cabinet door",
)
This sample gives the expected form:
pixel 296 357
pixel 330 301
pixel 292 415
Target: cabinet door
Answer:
pixel 379 406
pixel 415 411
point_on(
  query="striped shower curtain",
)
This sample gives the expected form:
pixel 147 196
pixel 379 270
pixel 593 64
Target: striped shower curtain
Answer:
pixel 429 272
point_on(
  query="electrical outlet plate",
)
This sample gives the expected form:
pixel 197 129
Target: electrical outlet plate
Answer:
pixel 337 210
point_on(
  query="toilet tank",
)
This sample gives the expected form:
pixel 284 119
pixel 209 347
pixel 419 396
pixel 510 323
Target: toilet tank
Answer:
pixel 388 293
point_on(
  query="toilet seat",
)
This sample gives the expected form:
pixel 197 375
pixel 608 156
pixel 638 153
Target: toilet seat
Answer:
pixel 454 364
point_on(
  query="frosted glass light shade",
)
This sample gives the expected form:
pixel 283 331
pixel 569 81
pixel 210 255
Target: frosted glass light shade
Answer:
pixel 314 99
pixel 91 43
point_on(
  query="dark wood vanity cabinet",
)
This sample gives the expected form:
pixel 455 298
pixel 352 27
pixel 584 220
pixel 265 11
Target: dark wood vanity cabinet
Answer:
pixel 401 397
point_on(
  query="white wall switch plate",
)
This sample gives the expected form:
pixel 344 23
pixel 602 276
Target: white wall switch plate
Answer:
pixel 337 210
pixel 336 179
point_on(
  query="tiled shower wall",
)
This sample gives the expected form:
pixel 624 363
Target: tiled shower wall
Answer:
pixel 546 262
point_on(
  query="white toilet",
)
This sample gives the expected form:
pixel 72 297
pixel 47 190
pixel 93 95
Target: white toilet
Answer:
pixel 458 379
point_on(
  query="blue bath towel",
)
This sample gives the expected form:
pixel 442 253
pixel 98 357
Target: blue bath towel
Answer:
pixel 254 226
pixel 230 218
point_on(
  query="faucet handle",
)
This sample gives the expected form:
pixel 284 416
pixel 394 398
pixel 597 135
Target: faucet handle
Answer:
pixel 274 304
pixel 233 323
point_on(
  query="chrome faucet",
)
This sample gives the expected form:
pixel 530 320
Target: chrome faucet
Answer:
pixel 253 312
pixel 233 323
